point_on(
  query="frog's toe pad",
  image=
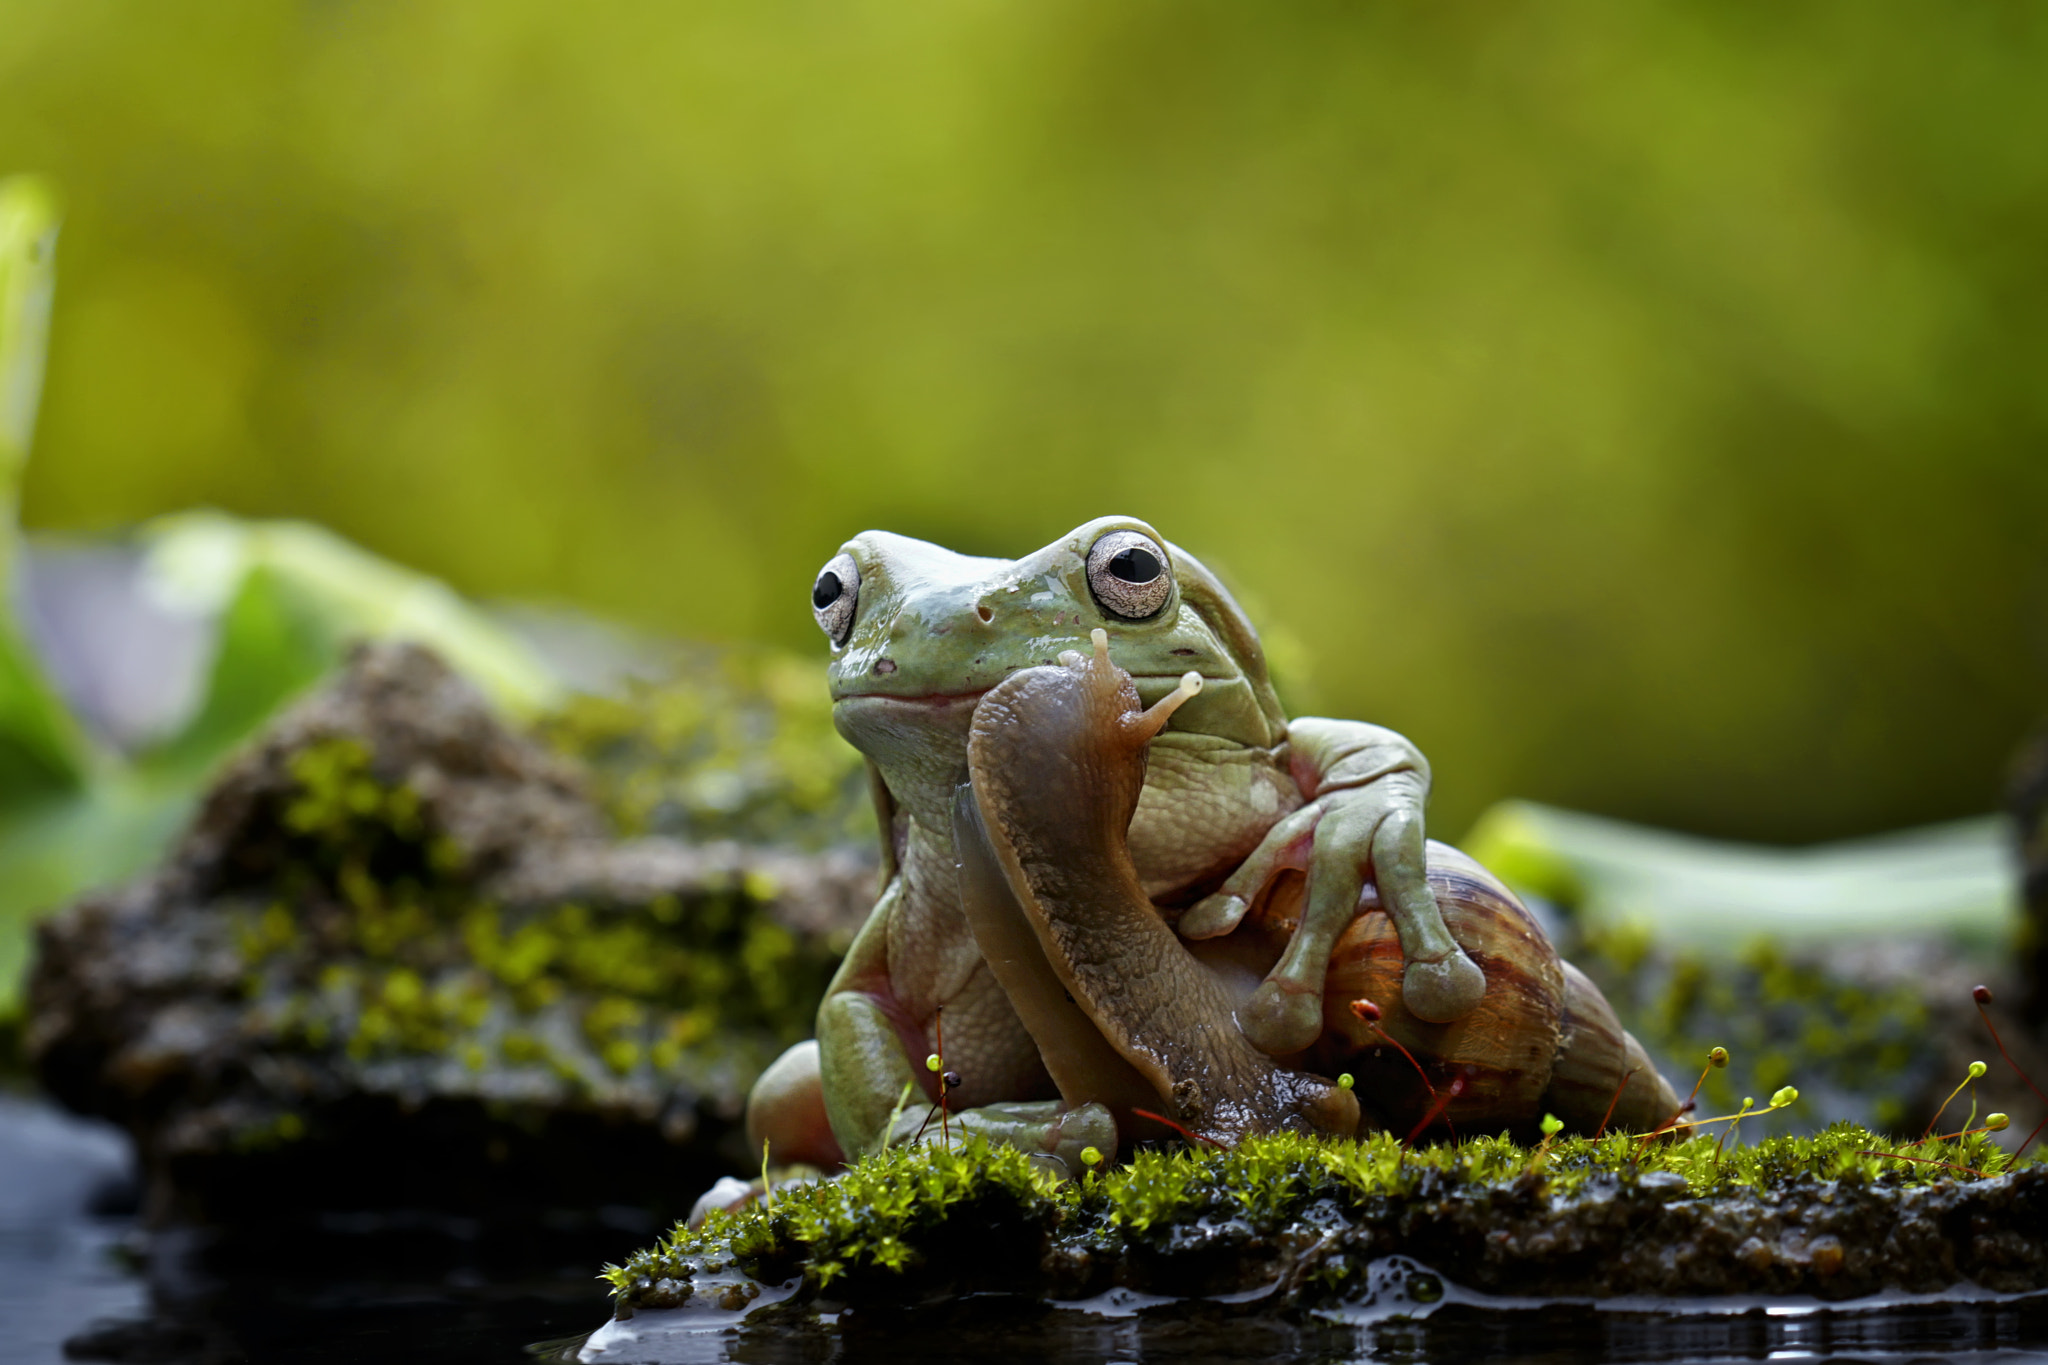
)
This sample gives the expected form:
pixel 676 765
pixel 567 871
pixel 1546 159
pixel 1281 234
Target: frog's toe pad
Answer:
pixel 1281 1018
pixel 1334 1111
pixel 1439 992
pixel 1212 918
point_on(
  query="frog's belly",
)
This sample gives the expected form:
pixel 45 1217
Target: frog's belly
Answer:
pixel 1204 808
pixel 988 1045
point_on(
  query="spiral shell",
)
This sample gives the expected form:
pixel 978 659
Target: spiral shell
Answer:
pixel 1543 1039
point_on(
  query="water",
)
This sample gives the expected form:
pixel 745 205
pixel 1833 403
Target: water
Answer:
pixel 65 1197
pixel 1455 1329
pixel 80 1281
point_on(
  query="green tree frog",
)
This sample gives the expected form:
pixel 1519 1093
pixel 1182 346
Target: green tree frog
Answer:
pixel 1233 793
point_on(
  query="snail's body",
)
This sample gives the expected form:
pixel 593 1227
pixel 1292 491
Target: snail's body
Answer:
pixel 1055 758
pixel 1110 916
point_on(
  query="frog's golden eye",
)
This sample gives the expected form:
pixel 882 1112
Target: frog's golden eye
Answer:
pixel 834 596
pixel 1128 575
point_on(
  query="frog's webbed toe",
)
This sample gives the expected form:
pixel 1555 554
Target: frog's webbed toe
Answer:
pixel 1078 1129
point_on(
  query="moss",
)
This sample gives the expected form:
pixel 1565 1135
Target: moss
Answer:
pixel 277 1130
pixel 375 941
pixel 1871 1049
pixel 911 1208
pixel 737 744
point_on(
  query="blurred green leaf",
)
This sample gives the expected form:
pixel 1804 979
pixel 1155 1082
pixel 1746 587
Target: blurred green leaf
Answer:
pixel 1959 879
pixel 42 749
pixel 290 599
pixel 271 648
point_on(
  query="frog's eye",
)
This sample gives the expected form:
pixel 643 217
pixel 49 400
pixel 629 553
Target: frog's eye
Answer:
pixel 1127 573
pixel 834 596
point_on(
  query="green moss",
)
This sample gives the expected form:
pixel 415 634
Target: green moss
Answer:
pixel 348 823
pixel 891 1209
pixel 1778 1015
pixel 737 744
pixel 371 938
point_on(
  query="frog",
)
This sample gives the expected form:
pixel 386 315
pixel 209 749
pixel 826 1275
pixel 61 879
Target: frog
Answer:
pixel 1235 794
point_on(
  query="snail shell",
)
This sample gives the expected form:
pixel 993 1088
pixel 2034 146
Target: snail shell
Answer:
pixel 1542 1039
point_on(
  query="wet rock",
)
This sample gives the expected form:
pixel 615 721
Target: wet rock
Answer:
pixel 1288 1223
pixel 399 959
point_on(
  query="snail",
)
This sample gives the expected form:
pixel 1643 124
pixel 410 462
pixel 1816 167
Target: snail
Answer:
pixel 1129 1016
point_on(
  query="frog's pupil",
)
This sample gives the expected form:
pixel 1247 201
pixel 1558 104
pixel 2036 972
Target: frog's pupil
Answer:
pixel 1135 565
pixel 827 590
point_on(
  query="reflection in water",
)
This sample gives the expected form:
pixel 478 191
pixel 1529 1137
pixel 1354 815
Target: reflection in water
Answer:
pixel 401 1288
pixel 65 1192
pixel 1456 1331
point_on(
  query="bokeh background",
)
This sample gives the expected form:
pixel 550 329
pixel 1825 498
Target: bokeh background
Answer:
pixel 1642 407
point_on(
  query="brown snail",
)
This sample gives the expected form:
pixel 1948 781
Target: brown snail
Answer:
pixel 1130 1017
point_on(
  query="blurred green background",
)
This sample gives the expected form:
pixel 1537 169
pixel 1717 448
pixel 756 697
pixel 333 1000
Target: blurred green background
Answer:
pixel 1642 407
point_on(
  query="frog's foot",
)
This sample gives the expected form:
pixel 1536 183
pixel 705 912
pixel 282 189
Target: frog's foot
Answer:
pixel 1041 1129
pixel 786 1112
pixel 1440 983
pixel 1078 1130
pixel 731 1194
pixel 1285 1014
pixel 1446 989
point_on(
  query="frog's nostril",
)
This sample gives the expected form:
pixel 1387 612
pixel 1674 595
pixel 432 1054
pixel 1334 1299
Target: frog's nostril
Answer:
pixel 985 612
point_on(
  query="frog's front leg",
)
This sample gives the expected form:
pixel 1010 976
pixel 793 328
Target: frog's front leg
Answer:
pixel 875 1090
pixel 876 1099
pixel 1367 787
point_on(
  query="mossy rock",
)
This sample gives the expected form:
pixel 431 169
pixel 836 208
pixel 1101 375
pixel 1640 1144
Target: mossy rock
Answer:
pixel 729 743
pixel 400 958
pixel 1289 1223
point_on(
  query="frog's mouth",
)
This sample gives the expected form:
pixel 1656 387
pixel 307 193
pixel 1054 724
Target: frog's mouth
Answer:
pixel 928 699
pixel 971 696
pixel 892 713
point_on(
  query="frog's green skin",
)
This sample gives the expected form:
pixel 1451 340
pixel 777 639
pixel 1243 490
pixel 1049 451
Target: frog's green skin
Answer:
pixel 1229 788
